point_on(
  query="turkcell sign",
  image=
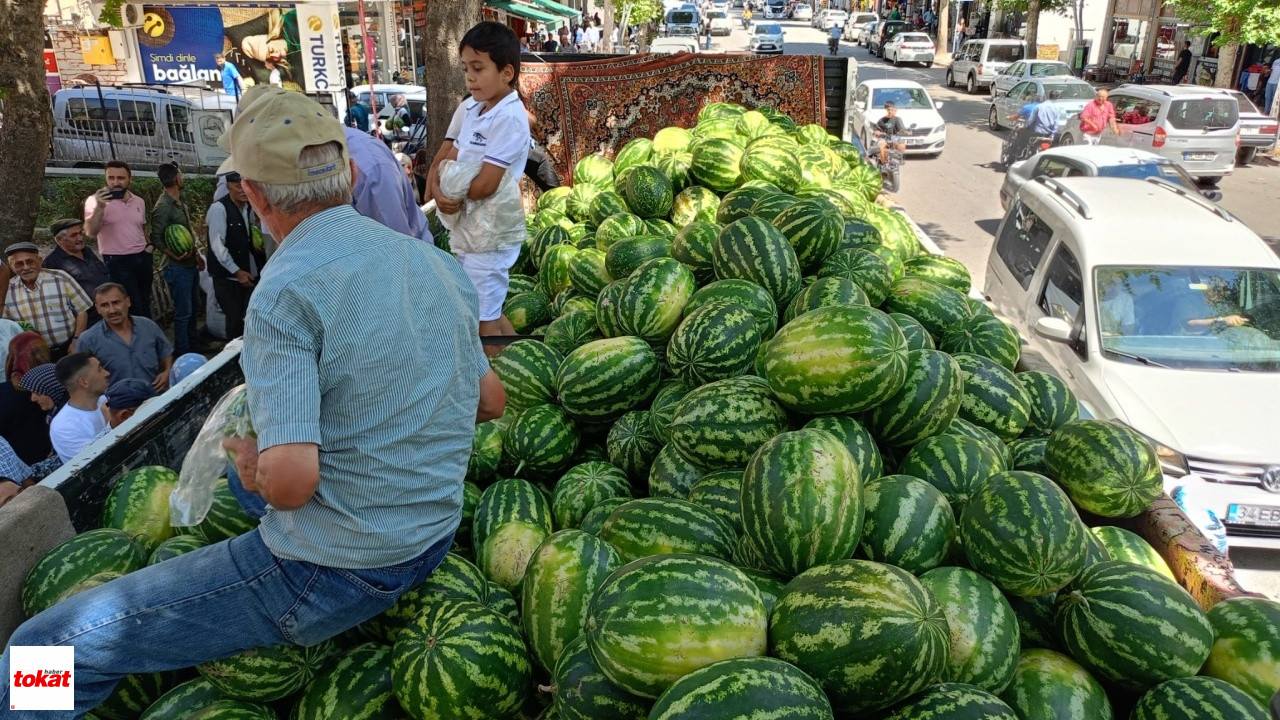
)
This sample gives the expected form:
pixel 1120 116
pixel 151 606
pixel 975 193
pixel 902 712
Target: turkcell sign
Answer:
pixel 318 31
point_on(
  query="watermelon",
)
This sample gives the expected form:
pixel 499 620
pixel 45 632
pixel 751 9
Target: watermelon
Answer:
pixel 740 203
pixel 486 452
pixel 983 628
pixel 139 504
pixel 75 561
pixel 774 163
pixel 745 293
pixel 926 403
pixel 844 358
pixel 751 249
pixel 664 525
pixel 918 338
pixel 1052 402
pixel 504 603
pixel 527 369
pixel 938 307
pixel 232 710
pixel 1028 454
pixel 571 331
pixel 578 205
pixel 908 523
pixel 744 688
pixel 716 164
pixel 653 298
pixel 623 257
pixel 648 192
pixel 693 245
pixel 509 500
pixel 768 207
pixel 554 199
pixel 527 310
pixel 864 268
pixel 815 232
pixel 963 428
pixel 957 466
pixel 607 309
pixel 1132 626
pixel 595 170
pixel 672 474
pixel 603 379
pixel 178 239
pixel 721 493
pixel 587 271
pixel 184 699
pixel 504 554
pixel 547 238
pixel 1198 698
pixel 541 441
pixel 718 111
pixel 1020 530
pixel 659 618
pixel 518 283
pixel 561 577
pixel 859 233
pixel 133 694
pixel 456 578
pixel 671 139
pixel 825 292
pixel 1051 685
pixel 460 660
pixel 663 407
pixel 1122 544
pixel 605 204
pixel 719 425
pixel 636 152
pixel 869 633
pixel 554 277
pixel 582 487
pixel 694 204
pixel 175 546
pixel 268 673
pixel 985 335
pixel 953 700
pixel 582 692
pixel 940 269
pixel 595 517
pixel 716 341
pixel 632 444
pixel 357 686
pixel 857 440
pixel 1246 645
pixel 675 166
pixel 802 502
pixel 993 397
pixel 226 518
pixel 1107 468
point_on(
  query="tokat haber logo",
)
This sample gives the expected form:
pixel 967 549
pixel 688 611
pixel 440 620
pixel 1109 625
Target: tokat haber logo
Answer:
pixel 41 678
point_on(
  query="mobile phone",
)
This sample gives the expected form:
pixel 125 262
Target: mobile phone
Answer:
pixel 117 194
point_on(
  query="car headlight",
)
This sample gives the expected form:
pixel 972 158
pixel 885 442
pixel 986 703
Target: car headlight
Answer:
pixel 1172 462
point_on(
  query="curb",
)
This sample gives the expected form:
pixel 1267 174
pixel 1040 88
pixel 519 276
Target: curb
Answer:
pixel 931 247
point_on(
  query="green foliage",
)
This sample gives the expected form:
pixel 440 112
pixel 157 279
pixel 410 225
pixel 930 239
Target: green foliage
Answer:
pixel 642 11
pixel 63 197
pixel 1237 21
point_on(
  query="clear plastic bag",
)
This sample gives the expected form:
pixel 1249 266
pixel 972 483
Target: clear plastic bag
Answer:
pixel 493 223
pixel 206 461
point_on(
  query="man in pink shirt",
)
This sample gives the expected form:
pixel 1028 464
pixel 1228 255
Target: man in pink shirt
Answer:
pixel 1096 117
pixel 118 219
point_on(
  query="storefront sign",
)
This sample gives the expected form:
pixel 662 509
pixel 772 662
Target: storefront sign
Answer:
pixel 320 41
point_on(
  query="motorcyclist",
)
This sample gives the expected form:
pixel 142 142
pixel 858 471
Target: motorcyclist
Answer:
pixel 746 17
pixel 888 127
pixel 1046 116
pixel 1022 134
pixel 834 33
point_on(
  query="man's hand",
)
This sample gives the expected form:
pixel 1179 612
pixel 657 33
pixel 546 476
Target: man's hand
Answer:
pixel 161 382
pixel 199 260
pixel 103 195
pixel 448 205
pixel 244 278
pixel 246 452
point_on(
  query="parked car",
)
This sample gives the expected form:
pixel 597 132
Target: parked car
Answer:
pixel 1199 128
pixel 775 10
pixel 721 23
pixel 1257 129
pixel 980 62
pixel 682 22
pixel 863 32
pixel 885 31
pixel 854 22
pixel 910 47
pixel 675 44
pixel 1024 70
pixel 1073 95
pixel 414 95
pixel 1096 161
pixel 1154 327
pixel 766 39
pixel 801 11
pixel 826 19
pixel 915 107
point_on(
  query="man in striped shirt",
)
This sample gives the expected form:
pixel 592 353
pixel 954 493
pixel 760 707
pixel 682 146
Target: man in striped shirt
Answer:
pixel 50 301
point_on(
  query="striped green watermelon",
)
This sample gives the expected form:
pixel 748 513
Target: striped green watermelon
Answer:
pixel 607 309
pixel 632 444
pixel 745 293
pixel 619 227
pixel 664 525
pixel 773 163
pixel 624 256
pixel 993 397
pixel 509 500
pixel 918 338
pixel 940 269
pixel 76 560
pixel 459 661
pixel 648 192
pixel 859 233
pixel 813 231
pixel 659 618
pixel 694 204
pixel 357 686
pixel 719 425
pixel 721 493
pixel 1246 645
pixel 607 204
pixel 571 331
pixel 692 246
pixel 844 358
pixel 233 710
pixel 226 518
pixel 896 232
pixel 183 699
pixel 605 378
pixel 504 554
pixel 955 465
pixel 676 167
pixel 1020 530
pixel 864 268
pixel 753 124
pixel 751 249
pixel 1028 454
pixel 857 440
pixel 744 689
pixel 175 546
pixel 456 578
pixel 267 674
pixel 985 335
pixel 486 452
pixel 582 692
pixel 554 199
pixel 570 300
pixel 653 299
pixel 802 502
pixel 587 271
pixel 527 369
pixel 470 500
pixel 1035 620
pixel 983 627
pixel 770 586
pixel 504 603
pixel 139 504
pixel 595 517
pixel 716 341
pixel 671 139
pixel 1198 698
pixel 583 487
pixel 1107 468
pixel 663 407
pixel 1122 544
pixel 1052 402
pixel 768 207
pixel 926 403
pixel 716 164
pixel 825 292
pixel 578 204
pixel 938 307
pixel 719 111
pixel 1051 685
pixel 963 428
pixel 132 695
pixel 672 474
pixel 740 203
pixel 908 523
pixel 540 442
pixel 527 310
pixel 594 169
pixel 954 701
pixel 517 284
pixel 562 575
pixel 869 633
pixel 178 239
pixel 544 240
pixel 636 152
pixel 554 276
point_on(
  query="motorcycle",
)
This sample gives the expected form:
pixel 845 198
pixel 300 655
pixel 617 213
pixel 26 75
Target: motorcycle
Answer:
pixel 1011 152
pixel 833 44
pixel 891 171
pixel 746 23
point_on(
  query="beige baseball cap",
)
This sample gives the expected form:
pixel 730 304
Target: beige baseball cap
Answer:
pixel 246 99
pixel 270 133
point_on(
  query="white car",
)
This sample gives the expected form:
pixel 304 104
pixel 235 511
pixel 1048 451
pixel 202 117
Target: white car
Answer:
pixel 802 11
pixel 1167 320
pixel 1096 161
pixel 766 39
pixel 828 18
pixel 720 22
pixel 675 44
pixel 910 47
pixel 1024 70
pixel 926 130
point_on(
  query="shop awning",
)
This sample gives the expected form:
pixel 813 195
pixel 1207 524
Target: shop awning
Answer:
pixel 557 8
pixel 523 11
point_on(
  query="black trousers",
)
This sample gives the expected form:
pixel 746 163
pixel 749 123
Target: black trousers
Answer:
pixel 233 298
pixel 135 272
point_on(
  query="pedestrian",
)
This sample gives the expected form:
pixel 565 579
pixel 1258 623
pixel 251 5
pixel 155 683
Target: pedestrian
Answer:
pixel 961 26
pixel 232 83
pixel 50 301
pixel 1096 117
pixel 123 399
pixel 493 131
pixel 1272 84
pixel 564 38
pixel 357 113
pixel 1184 63
pixel 593 36
pixel 707 35
pixel 579 39
pixel 118 219
pixel 81 420
pixel 22 422
pixel 181 271
pixel 73 258
pixel 235 263
pixel 931 21
pixel 128 346
pixel 383 191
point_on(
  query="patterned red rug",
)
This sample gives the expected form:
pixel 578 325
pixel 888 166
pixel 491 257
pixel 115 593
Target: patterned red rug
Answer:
pixel 599 106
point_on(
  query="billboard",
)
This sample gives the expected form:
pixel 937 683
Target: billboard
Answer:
pixel 178 44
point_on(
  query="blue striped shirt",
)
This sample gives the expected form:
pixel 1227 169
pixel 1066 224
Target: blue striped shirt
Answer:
pixel 363 341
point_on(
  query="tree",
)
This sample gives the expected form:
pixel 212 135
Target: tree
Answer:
pixel 447 22
pixel 26 121
pixel 1032 9
pixel 1237 22
pixel 625 14
pixel 606 31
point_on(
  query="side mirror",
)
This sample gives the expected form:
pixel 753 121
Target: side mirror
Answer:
pixel 1212 195
pixel 937 104
pixel 1053 328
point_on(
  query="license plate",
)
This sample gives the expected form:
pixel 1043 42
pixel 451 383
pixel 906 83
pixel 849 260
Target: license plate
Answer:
pixel 1197 156
pixel 914 141
pixel 1251 131
pixel 1260 515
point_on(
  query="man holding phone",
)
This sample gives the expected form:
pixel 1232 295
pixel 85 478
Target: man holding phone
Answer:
pixel 118 219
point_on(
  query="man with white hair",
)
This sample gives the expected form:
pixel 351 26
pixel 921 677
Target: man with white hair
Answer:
pixel 362 487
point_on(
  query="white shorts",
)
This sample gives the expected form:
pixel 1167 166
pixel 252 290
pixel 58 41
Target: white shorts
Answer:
pixel 490 274
pixel 1091 139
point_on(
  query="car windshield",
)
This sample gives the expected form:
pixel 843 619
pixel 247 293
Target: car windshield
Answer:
pixel 682 17
pixel 1203 113
pixel 1050 70
pixel 1140 171
pixel 1197 318
pixel 768 29
pixel 1004 53
pixel 1069 91
pixel 915 38
pixel 717 14
pixel 904 98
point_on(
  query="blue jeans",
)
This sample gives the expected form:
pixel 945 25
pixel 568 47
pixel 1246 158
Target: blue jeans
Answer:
pixel 184 285
pixel 1270 96
pixel 205 605
pixel 135 272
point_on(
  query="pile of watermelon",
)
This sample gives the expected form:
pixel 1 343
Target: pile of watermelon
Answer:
pixel 766 460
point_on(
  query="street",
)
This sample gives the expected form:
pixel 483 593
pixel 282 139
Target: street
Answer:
pixel 955 197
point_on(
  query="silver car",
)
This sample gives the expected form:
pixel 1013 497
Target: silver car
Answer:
pixel 1073 94
pixel 1024 70
pixel 1095 161
pixel 766 39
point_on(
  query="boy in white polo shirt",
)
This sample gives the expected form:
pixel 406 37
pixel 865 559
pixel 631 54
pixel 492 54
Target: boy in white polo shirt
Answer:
pixel 494 130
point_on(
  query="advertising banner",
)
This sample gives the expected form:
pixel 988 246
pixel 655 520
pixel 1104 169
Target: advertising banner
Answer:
pixel 320 39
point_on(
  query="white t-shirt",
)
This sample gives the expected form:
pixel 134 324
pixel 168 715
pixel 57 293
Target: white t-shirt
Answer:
pixel 72 429
pixel 499 137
